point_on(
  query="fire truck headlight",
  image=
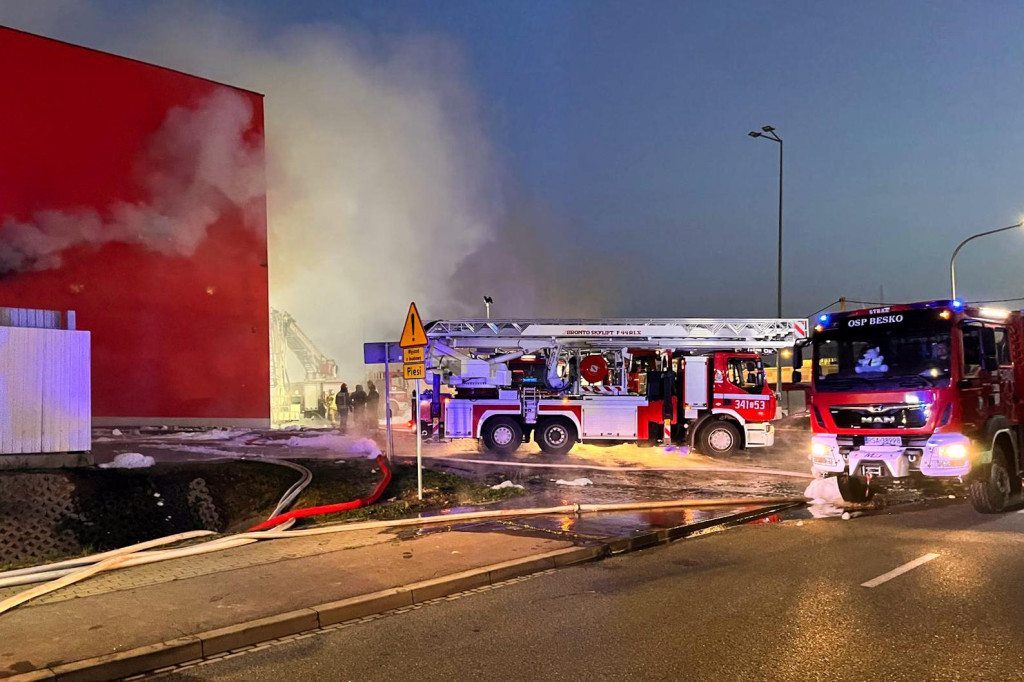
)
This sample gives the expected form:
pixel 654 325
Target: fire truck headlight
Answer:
pixel 954 451
pixel 819 449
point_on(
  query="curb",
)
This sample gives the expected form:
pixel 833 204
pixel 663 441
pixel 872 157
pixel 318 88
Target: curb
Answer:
pixel 212 642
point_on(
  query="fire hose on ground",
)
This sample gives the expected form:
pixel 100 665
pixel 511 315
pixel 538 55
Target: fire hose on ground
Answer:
pixel 292 493
pixel 61 569
pixel 599 467
pixel 33 574
pixel 66 573
pixel 278 519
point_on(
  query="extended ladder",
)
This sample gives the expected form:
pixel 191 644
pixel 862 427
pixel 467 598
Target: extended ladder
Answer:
pixel 678 333
pixel 285 332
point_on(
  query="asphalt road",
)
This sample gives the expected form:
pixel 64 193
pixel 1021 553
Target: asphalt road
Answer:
pixel 766 602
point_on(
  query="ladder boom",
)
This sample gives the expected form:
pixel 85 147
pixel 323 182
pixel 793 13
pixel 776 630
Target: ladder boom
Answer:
pixel 697 333
pixel 285 332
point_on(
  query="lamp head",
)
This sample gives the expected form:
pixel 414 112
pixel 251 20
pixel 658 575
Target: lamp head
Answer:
pixel 768 129
pixel 754 133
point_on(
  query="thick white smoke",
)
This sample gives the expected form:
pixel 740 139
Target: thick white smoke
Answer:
pixel 382 185
pixel 195 166
pixel 380 177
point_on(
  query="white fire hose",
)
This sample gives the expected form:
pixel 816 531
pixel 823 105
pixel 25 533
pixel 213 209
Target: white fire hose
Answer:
pixel 598 467
pixel 69 572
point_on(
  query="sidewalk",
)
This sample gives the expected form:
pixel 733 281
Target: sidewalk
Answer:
pixel 179 599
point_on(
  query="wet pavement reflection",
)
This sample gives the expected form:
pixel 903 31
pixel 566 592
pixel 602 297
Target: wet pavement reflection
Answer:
pixel 590 527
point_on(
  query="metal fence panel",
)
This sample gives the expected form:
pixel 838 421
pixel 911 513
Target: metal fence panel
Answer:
pixel 45 391
pixel 28 317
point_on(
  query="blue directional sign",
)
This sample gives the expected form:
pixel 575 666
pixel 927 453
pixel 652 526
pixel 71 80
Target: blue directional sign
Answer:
pixel 374 353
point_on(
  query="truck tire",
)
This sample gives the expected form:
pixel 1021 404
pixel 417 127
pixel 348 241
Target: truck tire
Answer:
pixel 718 437
pixel 502 435
pixel 555 436
pixel 990 494
pixel 854 488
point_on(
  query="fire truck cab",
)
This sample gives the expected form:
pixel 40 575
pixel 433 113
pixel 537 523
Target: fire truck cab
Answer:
pixel 677 381
pixel 921 390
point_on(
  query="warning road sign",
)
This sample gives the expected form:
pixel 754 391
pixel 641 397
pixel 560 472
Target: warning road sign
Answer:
pixel 412 333
pixel 413 355
pixel 415 371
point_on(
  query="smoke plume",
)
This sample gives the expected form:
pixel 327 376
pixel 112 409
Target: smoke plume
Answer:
pixel 196 165
pixel 381 181
pixel 383 187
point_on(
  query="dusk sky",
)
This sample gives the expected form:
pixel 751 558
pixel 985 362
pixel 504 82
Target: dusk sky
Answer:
pixel 623 128
pixel 902 124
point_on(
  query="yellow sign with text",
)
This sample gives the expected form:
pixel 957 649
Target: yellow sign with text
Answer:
pixel 415 370
pixel 413 355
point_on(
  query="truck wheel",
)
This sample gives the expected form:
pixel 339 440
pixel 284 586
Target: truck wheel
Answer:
pixel 719 438
pixel 502 435
pixel 991 493
pixel 854 488
pixel 556 436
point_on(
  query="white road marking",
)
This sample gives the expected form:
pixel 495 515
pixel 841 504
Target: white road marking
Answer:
pixel 909 566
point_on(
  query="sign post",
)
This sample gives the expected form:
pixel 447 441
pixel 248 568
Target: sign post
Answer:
pixel 387 405
pixel 385 352
pixel 413 342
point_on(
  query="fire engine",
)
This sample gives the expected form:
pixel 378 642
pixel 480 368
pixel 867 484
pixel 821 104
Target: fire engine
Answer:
pixel 920 390
pixel 685 381
pixel 295 400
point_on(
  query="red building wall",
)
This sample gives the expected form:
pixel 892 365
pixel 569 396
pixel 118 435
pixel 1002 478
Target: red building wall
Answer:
pixel 175 338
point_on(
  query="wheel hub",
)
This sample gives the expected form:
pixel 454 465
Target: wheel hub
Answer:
pixel 502 435
pixel 720 439
pixel 556 435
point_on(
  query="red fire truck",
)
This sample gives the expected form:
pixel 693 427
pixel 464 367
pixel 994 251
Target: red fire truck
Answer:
pixel 924 389
pixel 684 381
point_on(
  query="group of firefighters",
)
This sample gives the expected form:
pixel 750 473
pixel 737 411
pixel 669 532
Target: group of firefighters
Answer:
pixel 364 406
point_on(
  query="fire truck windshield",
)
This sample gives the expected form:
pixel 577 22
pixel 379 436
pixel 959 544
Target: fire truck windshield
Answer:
pixel 883 352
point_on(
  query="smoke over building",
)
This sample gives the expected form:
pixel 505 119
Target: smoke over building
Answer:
pixel 134 195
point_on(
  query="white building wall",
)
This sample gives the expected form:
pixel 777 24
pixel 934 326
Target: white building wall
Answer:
pixel 45 391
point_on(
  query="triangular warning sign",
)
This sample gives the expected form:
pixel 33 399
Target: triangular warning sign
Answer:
pixel 412 333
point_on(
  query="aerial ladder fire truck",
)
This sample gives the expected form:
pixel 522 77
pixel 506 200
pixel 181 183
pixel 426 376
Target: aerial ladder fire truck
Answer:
pixel 294 400
pixel 669 381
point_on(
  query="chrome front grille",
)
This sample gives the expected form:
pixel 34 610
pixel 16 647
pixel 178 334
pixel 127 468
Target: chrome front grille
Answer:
pixel 881 416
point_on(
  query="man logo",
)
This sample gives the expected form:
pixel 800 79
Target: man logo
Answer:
pixel 888 419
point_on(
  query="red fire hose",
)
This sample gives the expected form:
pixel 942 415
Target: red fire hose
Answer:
pixel 382 462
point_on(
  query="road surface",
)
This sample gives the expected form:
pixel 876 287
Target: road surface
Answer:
pixel 768 602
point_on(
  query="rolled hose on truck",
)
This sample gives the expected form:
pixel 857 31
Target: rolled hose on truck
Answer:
pixel 132 556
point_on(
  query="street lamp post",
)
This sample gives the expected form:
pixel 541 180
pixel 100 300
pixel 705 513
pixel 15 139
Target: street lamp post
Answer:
pixel 487 303
pixel 768 133
pixel 952 260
